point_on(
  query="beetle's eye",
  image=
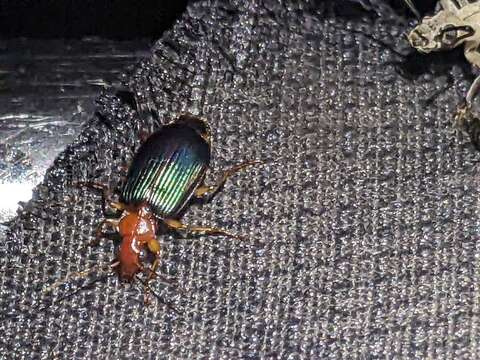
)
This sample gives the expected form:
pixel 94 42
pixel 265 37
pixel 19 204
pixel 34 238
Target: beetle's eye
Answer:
pixel 449 36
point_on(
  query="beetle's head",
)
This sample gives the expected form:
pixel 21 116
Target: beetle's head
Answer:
pixel 443 31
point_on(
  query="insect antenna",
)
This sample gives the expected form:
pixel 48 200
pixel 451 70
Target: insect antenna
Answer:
pixel 412 7
pixel 84 287
pixel 37 309
pixel 82 274
pixel 151 291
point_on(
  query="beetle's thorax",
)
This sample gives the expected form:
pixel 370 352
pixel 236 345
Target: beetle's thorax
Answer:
pixel 137 226
pixel 447 29
pixel 138 221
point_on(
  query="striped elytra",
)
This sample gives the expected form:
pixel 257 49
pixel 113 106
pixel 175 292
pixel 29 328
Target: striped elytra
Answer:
pixel 169 166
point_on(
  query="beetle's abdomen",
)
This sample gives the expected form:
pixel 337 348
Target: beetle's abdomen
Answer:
pixel 167 169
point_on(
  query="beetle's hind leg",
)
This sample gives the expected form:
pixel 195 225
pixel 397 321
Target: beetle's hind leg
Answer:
pixel 207 192
pixel 198 230
pixel 109 205
pixel 101 230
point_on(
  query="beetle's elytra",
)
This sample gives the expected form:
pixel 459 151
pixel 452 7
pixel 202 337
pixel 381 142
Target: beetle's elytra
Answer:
pixel 169 166
pixel 167 171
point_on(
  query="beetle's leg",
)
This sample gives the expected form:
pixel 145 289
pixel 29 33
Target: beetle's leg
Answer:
pixel 117 205
pixel 152 273
pixel 149 291
pixel 464 110
pixel 146 289
pixel 207 192
pixel 101 229
pixel 450 81
pixel 473 91
pixel 154 247
pixel 107 195
pixel 198 230
pixel 105 189
pixel 461 114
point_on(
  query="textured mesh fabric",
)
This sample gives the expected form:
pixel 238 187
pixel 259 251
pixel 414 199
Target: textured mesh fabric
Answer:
pixel 361 228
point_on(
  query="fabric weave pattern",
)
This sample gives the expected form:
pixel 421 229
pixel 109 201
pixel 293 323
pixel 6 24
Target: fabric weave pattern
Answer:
pixel 362 226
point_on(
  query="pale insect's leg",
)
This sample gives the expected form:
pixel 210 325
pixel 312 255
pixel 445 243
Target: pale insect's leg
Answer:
pixel 412 8
pixel 464 110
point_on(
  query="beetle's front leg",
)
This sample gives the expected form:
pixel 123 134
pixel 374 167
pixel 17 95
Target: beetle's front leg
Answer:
pixel 101 229
pixel 206 192
pixel 198 230
pixel 154 247
pixel 464 111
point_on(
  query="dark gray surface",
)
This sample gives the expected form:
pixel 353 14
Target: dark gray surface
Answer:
pixel 369 205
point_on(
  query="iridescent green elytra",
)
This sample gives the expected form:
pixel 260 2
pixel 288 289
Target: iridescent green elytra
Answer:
pixel 169 166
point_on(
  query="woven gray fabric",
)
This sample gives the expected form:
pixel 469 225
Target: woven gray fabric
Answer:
pixel 361 227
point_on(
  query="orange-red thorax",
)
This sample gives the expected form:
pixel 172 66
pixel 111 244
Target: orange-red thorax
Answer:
pixel 137 226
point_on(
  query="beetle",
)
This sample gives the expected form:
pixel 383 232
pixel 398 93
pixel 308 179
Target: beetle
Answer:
pixel 457 22
pixel 166 173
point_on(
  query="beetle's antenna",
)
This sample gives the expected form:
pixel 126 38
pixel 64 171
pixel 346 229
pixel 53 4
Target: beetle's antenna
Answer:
pixel 62 298
pixel 84 287
pixel 81 274
pixel 413 8
pixel 150 290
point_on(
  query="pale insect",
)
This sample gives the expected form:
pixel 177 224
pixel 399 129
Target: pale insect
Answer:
pixel 456 22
